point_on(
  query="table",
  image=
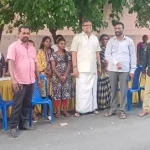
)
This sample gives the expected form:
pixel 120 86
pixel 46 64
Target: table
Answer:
pixel 6 92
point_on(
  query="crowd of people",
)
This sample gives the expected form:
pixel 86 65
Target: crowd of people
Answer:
pixel 100 67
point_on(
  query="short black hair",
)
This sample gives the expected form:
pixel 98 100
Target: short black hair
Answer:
pixel 102 36
pixel 145 36
pixel 61 39
pixel 119 23
pixel 23 27
pixel 84 21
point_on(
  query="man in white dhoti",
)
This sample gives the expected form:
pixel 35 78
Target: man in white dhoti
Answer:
pixel 85 57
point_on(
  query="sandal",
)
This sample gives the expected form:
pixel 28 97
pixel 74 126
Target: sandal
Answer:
pixel 76 115
pixel 96 112
pixel 35 118
pixel 66 114
pixel 143 113
pixel 57 115
pixel 123 115
pixel 109 114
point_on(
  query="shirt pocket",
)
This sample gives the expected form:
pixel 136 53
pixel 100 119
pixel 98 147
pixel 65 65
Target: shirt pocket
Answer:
pixel 124 48
pixel 94 45
pixel 115 49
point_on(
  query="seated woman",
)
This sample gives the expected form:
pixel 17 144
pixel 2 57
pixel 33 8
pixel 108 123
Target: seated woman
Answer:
pixel 2 66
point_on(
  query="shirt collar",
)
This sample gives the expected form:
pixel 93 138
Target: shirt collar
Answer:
pixel 20 42
pixel 124 38
pixel 84 34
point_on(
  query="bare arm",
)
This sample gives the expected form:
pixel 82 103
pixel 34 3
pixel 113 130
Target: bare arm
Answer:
pixel 74 59
pixel 98 63
pixel 4 72
pixel 98 58
pixel 68 68
pixel 36 71
pixel 11 66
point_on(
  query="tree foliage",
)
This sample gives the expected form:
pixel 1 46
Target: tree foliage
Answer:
pixel 38 14
pixel 57 14
pixel 142 9
pixel 6 14
pixel 90 10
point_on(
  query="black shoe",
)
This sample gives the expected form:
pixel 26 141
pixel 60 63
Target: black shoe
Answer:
pixel 14 133
pixel 27 127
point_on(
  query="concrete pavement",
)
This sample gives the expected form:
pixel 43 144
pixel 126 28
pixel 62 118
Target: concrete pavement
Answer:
pixel 88 132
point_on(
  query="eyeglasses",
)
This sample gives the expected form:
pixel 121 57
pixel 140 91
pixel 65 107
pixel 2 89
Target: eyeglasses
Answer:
pixel 105 39
pixel 87 25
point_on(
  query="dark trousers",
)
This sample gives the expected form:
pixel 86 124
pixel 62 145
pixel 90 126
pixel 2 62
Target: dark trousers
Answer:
pixel 20 109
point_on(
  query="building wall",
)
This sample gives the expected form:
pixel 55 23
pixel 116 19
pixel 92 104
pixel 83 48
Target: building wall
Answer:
pixel 127 19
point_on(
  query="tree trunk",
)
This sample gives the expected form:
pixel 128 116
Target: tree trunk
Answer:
pixel 53 32
pixel 1 31
pixel 80 23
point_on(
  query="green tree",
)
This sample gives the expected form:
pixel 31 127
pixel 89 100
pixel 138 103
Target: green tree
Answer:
pixel 90 10
pixel 142 9
pixel 6 14
pixel 57 14
pixel 53 14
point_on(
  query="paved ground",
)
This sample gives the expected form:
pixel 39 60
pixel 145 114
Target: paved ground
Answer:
pixel 89 132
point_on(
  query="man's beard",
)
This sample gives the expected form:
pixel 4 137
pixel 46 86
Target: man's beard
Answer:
pixel 118 33
pixel 25 39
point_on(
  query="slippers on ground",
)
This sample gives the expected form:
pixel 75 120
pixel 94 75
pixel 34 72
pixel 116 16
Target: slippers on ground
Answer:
pixel 123 115
pixel 143 113
pixel 76 115
pixel 109 114
pixel 66 114
pixel 57 115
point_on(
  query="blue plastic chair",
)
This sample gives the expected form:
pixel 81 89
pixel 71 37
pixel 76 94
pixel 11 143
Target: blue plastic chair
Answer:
pixel 142 88
pixel 135 88
pixel 38 100
pixel 4 105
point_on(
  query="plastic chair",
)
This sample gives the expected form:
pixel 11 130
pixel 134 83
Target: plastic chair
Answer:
pixel 142 88
pixel 38 100
pixel 134 88
pixel 4 105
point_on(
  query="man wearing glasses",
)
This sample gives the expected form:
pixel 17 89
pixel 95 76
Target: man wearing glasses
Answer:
pixel 85 57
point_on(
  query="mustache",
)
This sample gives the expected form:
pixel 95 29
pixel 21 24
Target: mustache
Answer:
pixel 26 37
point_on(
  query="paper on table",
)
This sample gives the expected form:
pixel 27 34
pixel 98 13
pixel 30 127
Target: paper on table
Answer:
pixel 5 78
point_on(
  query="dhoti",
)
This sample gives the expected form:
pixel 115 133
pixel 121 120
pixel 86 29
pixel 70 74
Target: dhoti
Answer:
pixel 86 92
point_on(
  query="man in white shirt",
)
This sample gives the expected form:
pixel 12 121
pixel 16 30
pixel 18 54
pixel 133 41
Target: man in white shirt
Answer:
pixel 85 57
pixel 121 56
